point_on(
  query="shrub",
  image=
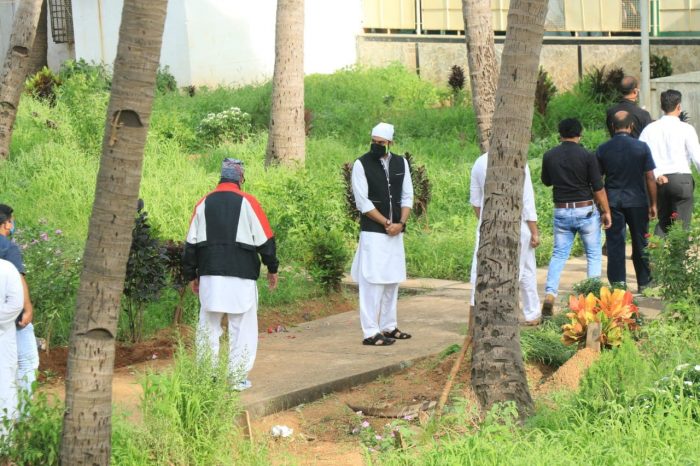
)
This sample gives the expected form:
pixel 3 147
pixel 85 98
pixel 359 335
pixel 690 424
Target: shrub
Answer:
pixel 603 86
pixel 173 263
pixel 97 76
pixel 327 259
pixel 53 265
pixel 43 85
pixel 165 81
pixel 615 312
pixel 350 206
pixel 422 191
pixel 660 66
pixel 682 385
pixel 544 92
pixel 231 125
pixel 145 273
pixel 675 263
pixel 456 83
pixel 543 344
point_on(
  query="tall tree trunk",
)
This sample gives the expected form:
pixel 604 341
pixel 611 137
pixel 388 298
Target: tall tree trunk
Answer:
pixel 287 140
pixel 498 372
pixel 14 70
pixel 483 70
pixel 38 56
pixel 87 419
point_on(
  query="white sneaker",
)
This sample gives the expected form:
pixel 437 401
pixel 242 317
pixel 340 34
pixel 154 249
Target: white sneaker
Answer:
pixel 243 385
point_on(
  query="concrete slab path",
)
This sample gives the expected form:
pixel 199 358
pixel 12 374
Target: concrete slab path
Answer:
pixel 326 355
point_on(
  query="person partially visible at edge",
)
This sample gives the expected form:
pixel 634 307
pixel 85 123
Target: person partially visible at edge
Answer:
pixel 381 184
pixel 228 235
pixel 27 350
pixel 574 174
pixel 628 169
pixel 629 88
pixel 529 239
pixel 11 303
pixel 673 145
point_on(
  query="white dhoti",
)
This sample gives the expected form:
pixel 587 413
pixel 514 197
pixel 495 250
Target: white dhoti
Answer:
pixel 238 299
pixel 8 374
pixel 527 277
pixel 378 267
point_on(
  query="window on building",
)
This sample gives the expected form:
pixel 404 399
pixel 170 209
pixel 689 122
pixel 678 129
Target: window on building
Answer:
pixel 61 13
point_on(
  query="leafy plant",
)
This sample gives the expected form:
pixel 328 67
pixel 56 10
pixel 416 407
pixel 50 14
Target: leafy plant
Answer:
pixel 43 85
pixel 675 263
pixel 97 76
pixel 350 207
pixel 394 435
pixel 614 310
pixel 232 125
pixel 603 86
pixel 544 92
pixel 422 188
pixel 165 81
pixel 145 273
pixel 53 265
pixel 456 83
pixel 173 254
pixel 660 66
pixel 595 285
pixel 327 259
pixel 543 344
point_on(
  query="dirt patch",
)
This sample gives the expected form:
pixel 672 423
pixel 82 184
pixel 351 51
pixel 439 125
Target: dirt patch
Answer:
pixel 294 314
pixel 569 375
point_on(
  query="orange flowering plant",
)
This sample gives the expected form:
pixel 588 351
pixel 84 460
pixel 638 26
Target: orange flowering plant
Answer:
pixel 614 310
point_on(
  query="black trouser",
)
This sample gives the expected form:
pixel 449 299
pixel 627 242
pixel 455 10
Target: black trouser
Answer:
pixel 675 201
pixel 638 220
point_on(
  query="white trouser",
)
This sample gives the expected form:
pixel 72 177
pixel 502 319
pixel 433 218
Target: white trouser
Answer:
pixel 528 276
pixel 242 340
pixel 377 306
pixel 8 374
pixel 27 358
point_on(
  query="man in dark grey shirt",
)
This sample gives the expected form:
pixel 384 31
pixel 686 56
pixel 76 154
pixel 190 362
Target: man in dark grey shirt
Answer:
pixel 574 174
pixel 629 88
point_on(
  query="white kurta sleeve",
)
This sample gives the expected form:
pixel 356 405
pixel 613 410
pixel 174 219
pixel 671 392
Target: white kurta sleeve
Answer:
pixel 360 189
pixel 477 182
pixel 529 209
pixel 11 295
pixel 407 187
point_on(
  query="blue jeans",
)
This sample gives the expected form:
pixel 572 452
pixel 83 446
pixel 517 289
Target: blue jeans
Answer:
pixel 27 358
pixel 567 222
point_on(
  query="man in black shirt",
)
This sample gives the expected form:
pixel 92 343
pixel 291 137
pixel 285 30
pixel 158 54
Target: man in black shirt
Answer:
pixel 574 174
pixel 631 188
pixel 629 87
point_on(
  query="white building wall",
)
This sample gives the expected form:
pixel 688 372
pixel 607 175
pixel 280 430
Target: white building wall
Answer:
pixel 7 14
pixel 211 42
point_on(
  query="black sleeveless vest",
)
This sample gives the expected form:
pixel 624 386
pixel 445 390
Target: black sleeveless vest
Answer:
pixel 384 194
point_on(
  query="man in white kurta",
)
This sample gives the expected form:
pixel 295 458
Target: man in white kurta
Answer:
pixel 228 235
pixel 11 303
pixel 529 239
pixel 380 263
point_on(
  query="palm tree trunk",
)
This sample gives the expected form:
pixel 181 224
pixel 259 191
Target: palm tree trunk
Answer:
pixel 87 419
pixel 483 70
pixel 15 68
pixel 41 46
pixel 498 372
pixel 287 140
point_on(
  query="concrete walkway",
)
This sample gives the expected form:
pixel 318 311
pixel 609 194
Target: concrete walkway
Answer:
pixel 326 355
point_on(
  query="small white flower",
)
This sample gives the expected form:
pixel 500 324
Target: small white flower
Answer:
pixel 688 383
pixel 697 367
pixel 682 366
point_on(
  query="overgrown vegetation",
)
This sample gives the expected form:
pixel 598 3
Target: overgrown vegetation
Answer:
pixel 660 66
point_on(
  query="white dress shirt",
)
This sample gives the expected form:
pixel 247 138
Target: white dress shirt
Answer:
pixel 673 145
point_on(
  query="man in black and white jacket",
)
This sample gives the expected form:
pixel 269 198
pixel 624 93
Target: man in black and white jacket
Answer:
pixel 228 235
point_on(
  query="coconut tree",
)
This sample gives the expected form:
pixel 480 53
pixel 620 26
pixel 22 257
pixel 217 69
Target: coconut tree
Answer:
pixel 87 418
pixel 483 70
pixel 498 372
pixel 41 45
pixel 15 68
pixel 287 139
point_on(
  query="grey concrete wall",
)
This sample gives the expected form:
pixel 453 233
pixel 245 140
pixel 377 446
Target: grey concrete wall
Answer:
pixel 689 85
pixel 436 55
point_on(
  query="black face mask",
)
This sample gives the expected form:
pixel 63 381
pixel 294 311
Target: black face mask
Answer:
pixel 377 150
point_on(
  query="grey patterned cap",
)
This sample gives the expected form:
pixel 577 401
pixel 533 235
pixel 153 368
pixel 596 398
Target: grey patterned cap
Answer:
pixel 232 169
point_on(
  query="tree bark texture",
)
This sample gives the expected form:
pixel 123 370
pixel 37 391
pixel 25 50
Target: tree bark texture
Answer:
pixel 286 143
pixel 41 46
pixel 498 372
pixel 87 418
pixel 15 68
pixel 483 69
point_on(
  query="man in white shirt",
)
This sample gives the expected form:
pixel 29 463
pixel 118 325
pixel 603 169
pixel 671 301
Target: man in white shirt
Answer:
pixel 11 303
pixel 529 239
pixel 381 184
pixel 673 145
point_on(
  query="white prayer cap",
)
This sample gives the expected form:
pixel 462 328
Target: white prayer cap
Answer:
pixel 384 130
